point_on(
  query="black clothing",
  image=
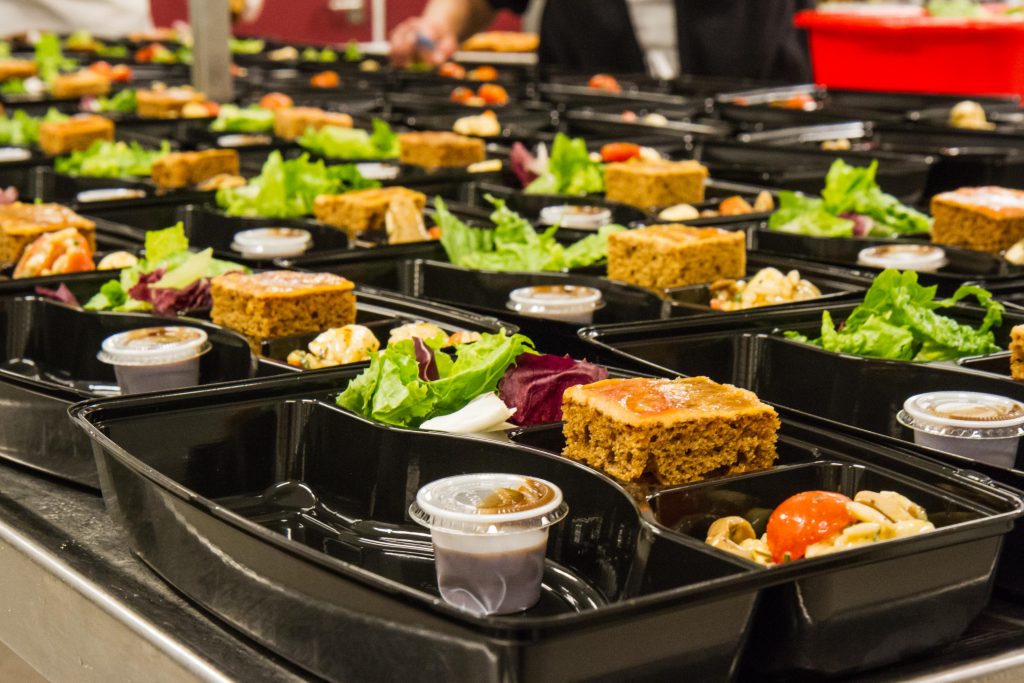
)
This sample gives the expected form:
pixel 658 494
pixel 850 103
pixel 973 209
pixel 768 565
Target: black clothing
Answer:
pixel 751 39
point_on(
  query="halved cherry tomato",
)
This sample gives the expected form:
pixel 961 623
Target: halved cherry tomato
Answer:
pixel 802 101
pixel 483 73
pixel 325 79
pixel 460 95
pixel 121 73
pixel 492 93
pixel 435 233
pixel 619 151
pixel 604 82
pixel 275 101
pixel 451 70
pixel 805 519
pixel 212 107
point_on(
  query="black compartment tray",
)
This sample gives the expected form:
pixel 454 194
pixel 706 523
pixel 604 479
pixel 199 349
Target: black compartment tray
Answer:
pixel 49 362
pixel 287 517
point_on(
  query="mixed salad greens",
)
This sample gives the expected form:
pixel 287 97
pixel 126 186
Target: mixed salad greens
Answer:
pixel 569 170
pixel 851 205
pixel 513 244
pixel 50 59
pixel 287 189
pixel 124 102
pixel 235 119
pixel 352 143
pixel 898 320
pixel 22 130
pixel 246 46
pixel 168 280
pixel 324 56
pixel 104 159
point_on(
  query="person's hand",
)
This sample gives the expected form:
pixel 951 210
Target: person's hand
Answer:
pixel 418 38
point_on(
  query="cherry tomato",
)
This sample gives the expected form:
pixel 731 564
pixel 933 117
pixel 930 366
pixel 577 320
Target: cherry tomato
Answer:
pixel 805 519
pixel 604 82
pixel 435 233
pixel 101 68
pixel 325 79
pixel 212 107
pixel 491 93
pixel 619 151
pixel 122 73
pixel 451 70
pixel 735 206
pixel 145 54
pixel 461 94
pixel 483 73
pixel 275 101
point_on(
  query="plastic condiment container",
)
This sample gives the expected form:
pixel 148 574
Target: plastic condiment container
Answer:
pixel 155 358
pixel 375 170
pixel 490 534
pixel 269 243
pixel 9 154
pixel 920 257
pixel 109 194
pixel 577 216
pixel 984 427
pixel 567 303
pixel 243 140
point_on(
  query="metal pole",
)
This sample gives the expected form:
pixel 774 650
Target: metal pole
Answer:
pixel 211 65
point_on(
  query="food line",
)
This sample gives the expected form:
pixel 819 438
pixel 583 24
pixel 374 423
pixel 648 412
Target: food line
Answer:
pixel 341 256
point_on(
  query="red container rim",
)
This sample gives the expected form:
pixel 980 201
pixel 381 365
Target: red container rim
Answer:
pixel 933 26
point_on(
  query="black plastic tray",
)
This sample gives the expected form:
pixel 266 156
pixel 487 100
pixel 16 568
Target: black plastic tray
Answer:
pixel 62 188
pixel 301 533
pixel 49 362
pixel 287 517
pixel 964 264
pixel 809 606
pixel 487 293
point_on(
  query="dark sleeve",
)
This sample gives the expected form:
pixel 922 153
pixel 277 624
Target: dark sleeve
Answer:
pixel 517 6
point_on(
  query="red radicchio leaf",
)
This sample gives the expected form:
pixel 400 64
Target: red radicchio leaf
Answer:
pixel 520 159
pixel 167 300
pixel 426 361
pixel 61 294
pixel 534 387
pixel 862 225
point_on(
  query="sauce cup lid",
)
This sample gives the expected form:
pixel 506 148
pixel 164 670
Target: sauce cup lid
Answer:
pixel 964 414
pixel 579 216
pixel 488 504
pixel 272 242
pixel 924 257
pixel 555 299
pixel 154 345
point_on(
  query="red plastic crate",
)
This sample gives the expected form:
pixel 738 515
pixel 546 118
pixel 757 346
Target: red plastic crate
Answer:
pixel 916 54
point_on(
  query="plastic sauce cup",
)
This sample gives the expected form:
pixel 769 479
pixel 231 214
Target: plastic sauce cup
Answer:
pixel 920 257
pixel 268 243
pixel 490 535
pixel 567 303
pixel 155 358
pixel 577 216
pixel 984 427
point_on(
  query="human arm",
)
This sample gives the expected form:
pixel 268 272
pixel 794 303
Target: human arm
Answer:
pixel 435 34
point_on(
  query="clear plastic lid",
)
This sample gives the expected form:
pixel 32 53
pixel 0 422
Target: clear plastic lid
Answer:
pixel 109 194
pixel 154 346
pixel 376 170
pixel 579 216
pixel 243 140
pixel 964 414
pixel 272 242
pixel 555 299
pixel 14 154
pixel 479 504
pixel 920 257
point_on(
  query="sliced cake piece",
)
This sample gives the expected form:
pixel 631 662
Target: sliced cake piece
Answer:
pixel 673 255
pixel 981 218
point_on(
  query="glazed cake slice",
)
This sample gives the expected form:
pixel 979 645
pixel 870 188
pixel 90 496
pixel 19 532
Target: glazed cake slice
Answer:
pixel 672 255
pixel 361 211
pixel 680 430
pixel 282 303
pixel 981 218
pixel 439 149
pixel 1017 352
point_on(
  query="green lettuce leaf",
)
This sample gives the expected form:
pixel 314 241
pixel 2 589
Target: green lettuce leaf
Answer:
pixel 288 189
pixel 570 170
pixel 163 244
pixel 105 159
pixel 352 143
pixel 22 130
pixel 124 102
pixel 50 59
pixel 235 119
pixel 513 244
pixel 390 390
pixel 899 320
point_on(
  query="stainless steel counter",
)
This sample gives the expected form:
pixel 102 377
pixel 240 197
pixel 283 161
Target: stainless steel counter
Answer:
pixel 77 606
